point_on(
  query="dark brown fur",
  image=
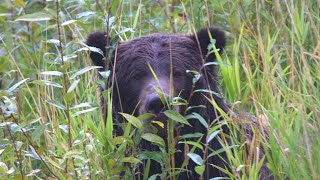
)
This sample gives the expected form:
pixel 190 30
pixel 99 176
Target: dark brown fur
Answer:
pixel 134 79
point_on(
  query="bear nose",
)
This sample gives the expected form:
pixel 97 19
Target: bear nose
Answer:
pixel 154 105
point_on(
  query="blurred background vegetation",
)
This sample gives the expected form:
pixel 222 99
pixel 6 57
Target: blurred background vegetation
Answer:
pixel 50 123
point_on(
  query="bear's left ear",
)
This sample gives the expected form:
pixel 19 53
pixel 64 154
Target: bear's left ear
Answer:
pixel 98 40
pixel 203 38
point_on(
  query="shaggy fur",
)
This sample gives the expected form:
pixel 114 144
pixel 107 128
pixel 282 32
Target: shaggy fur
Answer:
pixel 134 81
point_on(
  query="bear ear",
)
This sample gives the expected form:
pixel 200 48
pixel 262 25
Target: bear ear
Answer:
pixel 203 39
pixel 98 40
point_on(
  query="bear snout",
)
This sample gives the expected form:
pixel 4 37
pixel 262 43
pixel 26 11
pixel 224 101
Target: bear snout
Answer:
pixel 154 105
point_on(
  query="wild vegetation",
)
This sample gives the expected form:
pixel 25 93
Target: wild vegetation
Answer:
pixel 51 125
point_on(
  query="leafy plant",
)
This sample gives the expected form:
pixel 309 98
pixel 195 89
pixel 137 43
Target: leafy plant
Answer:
pixel 51 125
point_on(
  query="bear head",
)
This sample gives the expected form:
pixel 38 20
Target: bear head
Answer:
pixel 160 62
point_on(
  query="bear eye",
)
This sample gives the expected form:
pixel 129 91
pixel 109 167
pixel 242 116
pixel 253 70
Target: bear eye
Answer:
pixel 177 74
pixel 139 75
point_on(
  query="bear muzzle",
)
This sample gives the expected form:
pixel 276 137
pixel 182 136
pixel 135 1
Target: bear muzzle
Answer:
pixel 154 104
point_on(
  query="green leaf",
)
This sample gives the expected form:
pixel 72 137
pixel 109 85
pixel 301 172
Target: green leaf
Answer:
pixel 4 124
pixel 84 70
pixel 196 75
pixel 38 16
pixel 176 117
pixel 73 85
pixel 5 14
pixel 64 127
pixel 53 41
pixel 154 139
pixel 69 96
pixel 199 117
pixel 121 140
pixel 194 135
pixel 47 83
pixel 38 132
pixel 52 73
pixel 221 150
pixel 66 58
pixel 16 85
pixel 261 162
pixel 196 158
pixel 198 145
pixel 216 127
pixel 68 22
pixel 56 104
pixel 154 155
pixel 1 151
pixel 154 74
pixel 32 153
pixel 3 168
pixel 133 120
pixel 199 169
pixel 17 128
pixel 136 20
pixel 109 120
pixel 216 63
pixel 53 163
pixel 178 101
pixel 146 116
pixel 196 78
pixel 215 105
pixel 155 177
pixel 20 3
pixel 130 159
pixel 84 111
pixel 193 72
pixel 209 91
pixel 212 135
pixel 218 178
pixel 33 172
pixel 105 74
pixel 85 14
pixel 82 105
pixel 93 49
pixel 147 170
pixel 160 94
pixel 240 167
pixel 64 68
pixel 125 30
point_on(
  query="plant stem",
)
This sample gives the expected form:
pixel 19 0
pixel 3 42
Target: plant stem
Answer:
pixel 65 85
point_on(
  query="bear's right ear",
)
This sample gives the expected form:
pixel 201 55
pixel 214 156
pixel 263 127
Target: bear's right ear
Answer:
pixel 98 40
pixel 203 39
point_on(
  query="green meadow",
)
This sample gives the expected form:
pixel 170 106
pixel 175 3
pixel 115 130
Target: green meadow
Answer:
pixel 51 123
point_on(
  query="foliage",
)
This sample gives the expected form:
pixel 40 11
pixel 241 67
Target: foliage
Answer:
pixel 50 123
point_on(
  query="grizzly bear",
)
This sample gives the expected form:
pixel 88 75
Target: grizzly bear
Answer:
pixel 176 65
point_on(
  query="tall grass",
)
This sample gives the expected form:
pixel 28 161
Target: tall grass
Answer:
pixel 50 122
